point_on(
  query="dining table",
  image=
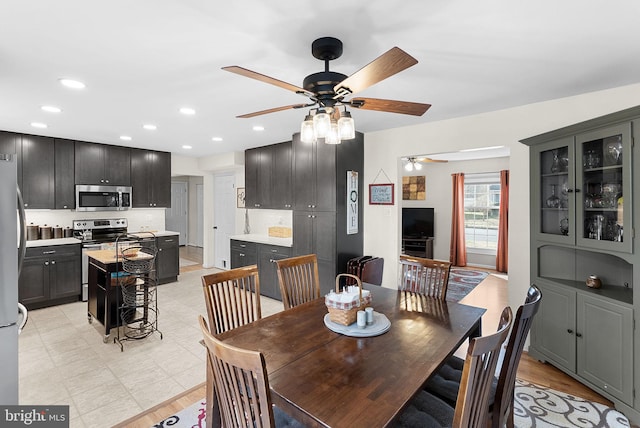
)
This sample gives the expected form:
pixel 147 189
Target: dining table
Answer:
pixel 328 379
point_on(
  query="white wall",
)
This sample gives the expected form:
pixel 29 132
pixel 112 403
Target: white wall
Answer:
pixel 504 127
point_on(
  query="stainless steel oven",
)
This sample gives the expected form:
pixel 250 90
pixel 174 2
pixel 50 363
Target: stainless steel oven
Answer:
pixel 96 234
pixel 102 198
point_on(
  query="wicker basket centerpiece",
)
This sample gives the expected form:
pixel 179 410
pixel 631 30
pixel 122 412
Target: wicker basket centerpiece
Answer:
pixel 344 306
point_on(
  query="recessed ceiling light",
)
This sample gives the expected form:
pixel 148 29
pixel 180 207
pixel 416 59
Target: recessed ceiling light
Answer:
pixel 187 147
pixel 51 109
pixel 73 84
pixel 39 125
pixel 258 128
pixel 188 111
pixel 125 138
pixel 216 139
pixel 150 127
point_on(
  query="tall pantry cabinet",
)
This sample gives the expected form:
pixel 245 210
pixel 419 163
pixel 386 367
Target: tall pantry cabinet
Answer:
pixel 583 216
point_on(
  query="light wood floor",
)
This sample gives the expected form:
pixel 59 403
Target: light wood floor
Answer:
pixel 490 294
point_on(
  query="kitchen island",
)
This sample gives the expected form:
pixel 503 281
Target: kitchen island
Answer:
pixel 105 279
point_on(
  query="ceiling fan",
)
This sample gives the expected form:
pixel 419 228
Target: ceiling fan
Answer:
pixel 413 162
pixel 329 90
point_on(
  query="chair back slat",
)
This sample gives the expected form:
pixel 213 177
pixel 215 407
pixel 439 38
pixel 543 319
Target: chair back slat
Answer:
pixel 232 298
pixel 241 383
pixel 424 276
pixel 477 374
pixel 503 403
pixel 299 280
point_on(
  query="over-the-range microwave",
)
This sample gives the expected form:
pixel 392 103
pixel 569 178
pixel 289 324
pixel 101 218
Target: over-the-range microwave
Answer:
pixel 102 198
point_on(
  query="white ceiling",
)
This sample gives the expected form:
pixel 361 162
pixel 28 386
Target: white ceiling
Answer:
pixel 144 59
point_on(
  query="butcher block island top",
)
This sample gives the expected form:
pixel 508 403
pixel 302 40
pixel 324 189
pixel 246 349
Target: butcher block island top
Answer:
pixel 109 256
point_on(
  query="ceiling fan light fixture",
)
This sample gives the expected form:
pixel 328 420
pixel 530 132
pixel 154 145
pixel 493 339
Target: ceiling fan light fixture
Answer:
pixel 408 166
pixel 321 123
pixel 417 166
pixel 307 132
pixel 346 126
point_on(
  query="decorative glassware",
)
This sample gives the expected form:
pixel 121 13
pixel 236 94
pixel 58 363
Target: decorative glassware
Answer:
pixel 553 201
pixel 564 226
pixel 555 163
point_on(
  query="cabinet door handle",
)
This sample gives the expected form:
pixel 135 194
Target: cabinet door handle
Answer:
pixel 308 206
pixel 577 190
pixel 241 254
pixel 46 263
pixel 53 262
pixel 243 245
pixel 49 252
pixel 569 331
pixel 569 190
pixel 106 181
pixel 309 215
pixel 274 251
pixel 578 334
pixel 168 240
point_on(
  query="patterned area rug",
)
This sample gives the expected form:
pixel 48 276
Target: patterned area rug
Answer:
pixel 462 281
pixel 540 407
pixel 535 406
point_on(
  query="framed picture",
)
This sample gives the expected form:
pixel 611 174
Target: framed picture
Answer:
pixel 381 194
pixel 240 197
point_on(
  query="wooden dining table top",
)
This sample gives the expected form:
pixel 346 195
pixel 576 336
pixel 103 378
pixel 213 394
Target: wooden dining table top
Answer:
pixel 326 379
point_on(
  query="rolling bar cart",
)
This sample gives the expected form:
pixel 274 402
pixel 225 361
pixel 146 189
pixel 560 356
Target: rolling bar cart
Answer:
pixel 137 309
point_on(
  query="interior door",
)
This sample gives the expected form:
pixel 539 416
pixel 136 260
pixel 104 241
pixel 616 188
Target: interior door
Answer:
pixel 199 215
pixel 224 205
pixel 176 217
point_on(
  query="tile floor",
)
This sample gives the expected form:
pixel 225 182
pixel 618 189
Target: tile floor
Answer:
pixel 64 361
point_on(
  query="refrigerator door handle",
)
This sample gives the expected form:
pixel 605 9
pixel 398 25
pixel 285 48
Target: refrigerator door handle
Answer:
pixel 23 233
pixel 25 316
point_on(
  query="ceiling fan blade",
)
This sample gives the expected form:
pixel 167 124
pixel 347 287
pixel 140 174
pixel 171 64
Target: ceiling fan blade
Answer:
pixel 266 79
pixel 431 160
pixel 386 65
pixel 272 110
pixel 393 106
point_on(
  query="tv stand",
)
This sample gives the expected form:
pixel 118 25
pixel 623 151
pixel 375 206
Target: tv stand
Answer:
pixel 418 247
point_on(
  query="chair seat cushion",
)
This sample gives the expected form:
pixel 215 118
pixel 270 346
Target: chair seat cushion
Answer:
pixel 426 411
pixel 283 420
pixel 446 382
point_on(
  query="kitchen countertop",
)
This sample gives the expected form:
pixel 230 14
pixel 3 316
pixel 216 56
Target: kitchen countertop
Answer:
pixel 264 239
pixel 156 232
pixel 57 241
pixel 109 256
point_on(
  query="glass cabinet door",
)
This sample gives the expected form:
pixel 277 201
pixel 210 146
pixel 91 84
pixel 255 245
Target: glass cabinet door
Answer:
pixel 556 193
pixel 603 175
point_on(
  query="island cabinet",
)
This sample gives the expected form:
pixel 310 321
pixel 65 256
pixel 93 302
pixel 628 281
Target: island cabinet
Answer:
pixel 150 178
pixel 167 259
pixel 102 164
pixel 51 275
pixel 38 172
pixel 268 177
pixel 64 170
pixel 322 204
pixel 583 215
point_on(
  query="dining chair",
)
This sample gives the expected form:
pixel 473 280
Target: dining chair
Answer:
pixel 425 276
pixel 472 404
pixel 241 385
pixel 446 383
pixel 232 299
pixel 299 280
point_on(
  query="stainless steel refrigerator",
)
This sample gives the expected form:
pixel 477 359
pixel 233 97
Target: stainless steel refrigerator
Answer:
pixel 12 247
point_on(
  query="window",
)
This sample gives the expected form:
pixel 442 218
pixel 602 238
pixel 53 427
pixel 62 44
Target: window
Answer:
pixel 481 211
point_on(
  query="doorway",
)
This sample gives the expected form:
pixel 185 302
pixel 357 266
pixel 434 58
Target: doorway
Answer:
pixel 176 216
pixel 224 208
pixel 200 215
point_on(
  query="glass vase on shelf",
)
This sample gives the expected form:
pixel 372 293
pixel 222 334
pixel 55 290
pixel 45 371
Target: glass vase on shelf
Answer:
pixel 555 163
pixel 553 201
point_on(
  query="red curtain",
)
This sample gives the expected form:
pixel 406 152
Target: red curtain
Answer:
pixel 502 257
pixel 458 250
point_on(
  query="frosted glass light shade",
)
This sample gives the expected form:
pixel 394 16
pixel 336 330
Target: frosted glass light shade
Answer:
pixel 333 137
pixel 321 124
pixel 307 133
pixel 347 127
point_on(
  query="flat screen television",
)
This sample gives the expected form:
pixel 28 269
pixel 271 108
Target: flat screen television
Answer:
pixel 417 223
